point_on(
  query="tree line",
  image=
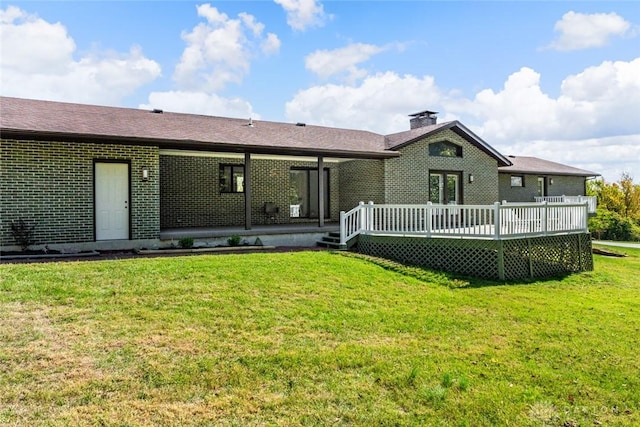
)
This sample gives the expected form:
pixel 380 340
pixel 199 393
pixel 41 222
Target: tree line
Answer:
pixel 618 212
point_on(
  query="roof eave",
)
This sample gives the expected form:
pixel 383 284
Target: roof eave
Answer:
pixel 21 134
pixel 543 172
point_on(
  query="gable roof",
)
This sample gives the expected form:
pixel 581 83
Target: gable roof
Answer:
pixel 47 120
pixel 402 139
pixel 534 165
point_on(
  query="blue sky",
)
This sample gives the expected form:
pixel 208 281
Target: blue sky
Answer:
pixel 557 80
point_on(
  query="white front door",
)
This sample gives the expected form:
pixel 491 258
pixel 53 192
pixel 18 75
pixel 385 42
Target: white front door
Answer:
pixel 112 201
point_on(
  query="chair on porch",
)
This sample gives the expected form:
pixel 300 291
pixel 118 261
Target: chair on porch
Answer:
pixel 271 210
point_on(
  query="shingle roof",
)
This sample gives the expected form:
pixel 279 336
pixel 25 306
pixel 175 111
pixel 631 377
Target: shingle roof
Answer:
pixel 58 120
pixel 48 120
pixel 524 164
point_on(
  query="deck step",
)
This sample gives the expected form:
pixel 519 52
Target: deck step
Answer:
pixel 331 241
pixel 329 245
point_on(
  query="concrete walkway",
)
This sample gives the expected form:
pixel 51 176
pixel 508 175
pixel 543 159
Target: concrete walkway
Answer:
pixel 619 244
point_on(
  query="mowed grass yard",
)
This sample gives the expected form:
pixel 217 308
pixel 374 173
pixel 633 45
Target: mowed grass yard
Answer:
pixel 314 338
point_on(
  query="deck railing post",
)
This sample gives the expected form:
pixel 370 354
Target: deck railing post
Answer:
pixel 544 218
pixel 429 217
pixel 343 228
pixel 370 216
pixel 496 220
pixel 362 220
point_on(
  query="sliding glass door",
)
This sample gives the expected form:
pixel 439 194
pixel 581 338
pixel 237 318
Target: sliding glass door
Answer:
pixel 303 193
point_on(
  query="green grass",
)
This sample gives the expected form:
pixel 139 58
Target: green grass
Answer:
pixel 314 338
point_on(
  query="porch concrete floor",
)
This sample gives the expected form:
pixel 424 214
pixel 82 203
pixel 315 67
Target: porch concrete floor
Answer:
pixel 266 230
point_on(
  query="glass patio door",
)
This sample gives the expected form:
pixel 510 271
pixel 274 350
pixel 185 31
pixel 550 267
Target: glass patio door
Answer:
pixel 304 196
pixel 444 188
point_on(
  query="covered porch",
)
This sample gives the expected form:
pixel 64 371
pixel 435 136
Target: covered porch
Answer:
pixel 214 193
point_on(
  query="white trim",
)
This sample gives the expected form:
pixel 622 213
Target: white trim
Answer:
pixel 193 153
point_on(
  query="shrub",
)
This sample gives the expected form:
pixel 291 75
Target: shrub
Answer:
pixel 186 242
pixel 609 225
pixel 23 233
pixel 234 240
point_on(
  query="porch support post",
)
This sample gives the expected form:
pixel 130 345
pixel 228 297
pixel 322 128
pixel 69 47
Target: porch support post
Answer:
pixel 320 191
pixel 247 191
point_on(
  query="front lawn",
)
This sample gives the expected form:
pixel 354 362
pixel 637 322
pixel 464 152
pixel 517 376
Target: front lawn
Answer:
pixel 314 338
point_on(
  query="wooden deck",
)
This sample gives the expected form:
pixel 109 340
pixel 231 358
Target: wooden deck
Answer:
pixel 496 222
pixel 501 241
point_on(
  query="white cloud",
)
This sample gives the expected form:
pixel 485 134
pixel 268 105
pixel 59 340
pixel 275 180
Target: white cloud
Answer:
pixel 37 62
pixel 604 99
pixel 520 110
pixel 601 101
pixel 200 103
pixel 327 63
pixel 582 31
pixel 219 51
pixel 302 14
pixel 609 156
pixel 271 44
pixel 593 123
pixel 380 103
pixel 18 28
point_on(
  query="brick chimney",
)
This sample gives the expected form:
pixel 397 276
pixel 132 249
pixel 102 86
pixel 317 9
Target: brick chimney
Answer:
pixel 422 119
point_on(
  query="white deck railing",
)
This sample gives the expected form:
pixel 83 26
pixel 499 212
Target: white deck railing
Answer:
pixel 511 220
pixel 592 201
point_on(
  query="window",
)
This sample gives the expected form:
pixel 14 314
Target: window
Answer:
pixel 517 181
pixel 445 149
pixel 303 193
pixel 232 178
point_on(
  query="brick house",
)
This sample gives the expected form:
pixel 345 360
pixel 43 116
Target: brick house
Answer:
pixel 105 177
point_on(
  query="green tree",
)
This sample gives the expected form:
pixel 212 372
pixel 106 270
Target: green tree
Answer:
pixel 622 198
pixel 618 215
pixel 630 197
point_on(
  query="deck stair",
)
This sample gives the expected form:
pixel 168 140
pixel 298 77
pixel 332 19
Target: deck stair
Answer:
pixel 331 240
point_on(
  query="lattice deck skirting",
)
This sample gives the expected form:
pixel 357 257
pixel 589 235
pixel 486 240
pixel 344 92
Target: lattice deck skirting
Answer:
pixel 512 259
